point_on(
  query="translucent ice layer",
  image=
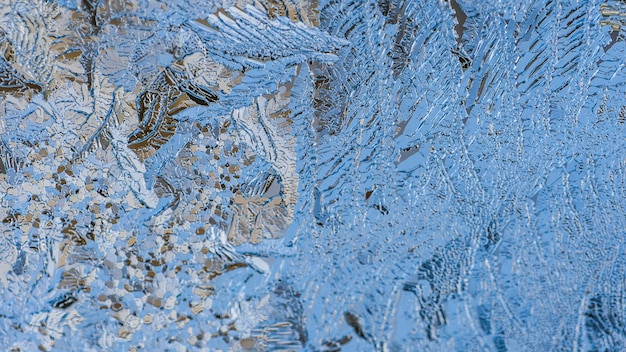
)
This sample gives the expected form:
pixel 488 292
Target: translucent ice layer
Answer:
pixel 278 175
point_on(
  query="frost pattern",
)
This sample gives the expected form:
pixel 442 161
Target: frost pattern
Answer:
pixel 323 175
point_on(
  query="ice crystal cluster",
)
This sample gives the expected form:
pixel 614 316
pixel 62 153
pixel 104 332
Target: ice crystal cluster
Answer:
pixel 315 175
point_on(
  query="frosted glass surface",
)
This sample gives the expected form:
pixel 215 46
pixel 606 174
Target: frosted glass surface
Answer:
pixel 324 175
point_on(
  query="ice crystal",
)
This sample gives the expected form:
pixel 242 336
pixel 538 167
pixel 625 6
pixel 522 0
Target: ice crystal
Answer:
pixel 324 175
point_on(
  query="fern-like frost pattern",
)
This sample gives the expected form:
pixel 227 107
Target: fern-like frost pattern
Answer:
pixel 312 175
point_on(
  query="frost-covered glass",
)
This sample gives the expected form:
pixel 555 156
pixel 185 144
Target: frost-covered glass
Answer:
pixel 323 175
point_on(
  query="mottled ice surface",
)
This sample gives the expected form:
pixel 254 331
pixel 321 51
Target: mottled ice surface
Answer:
pixel 278 175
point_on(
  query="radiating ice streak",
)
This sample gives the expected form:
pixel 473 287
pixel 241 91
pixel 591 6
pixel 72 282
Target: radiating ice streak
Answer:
pixel 132 170
pixel 252 34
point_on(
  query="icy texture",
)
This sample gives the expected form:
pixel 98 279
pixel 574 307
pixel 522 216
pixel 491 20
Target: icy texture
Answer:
pixel 312 175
